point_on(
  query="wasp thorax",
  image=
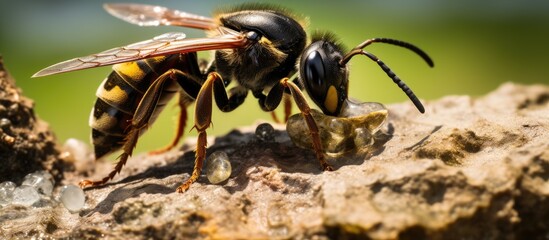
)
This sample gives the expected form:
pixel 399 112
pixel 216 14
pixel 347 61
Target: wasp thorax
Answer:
pixel 354 129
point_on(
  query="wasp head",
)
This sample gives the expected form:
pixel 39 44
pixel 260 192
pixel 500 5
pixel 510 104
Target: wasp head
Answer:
pixel 322 75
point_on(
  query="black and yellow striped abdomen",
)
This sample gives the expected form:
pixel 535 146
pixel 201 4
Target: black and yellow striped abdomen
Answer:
pixel 120 93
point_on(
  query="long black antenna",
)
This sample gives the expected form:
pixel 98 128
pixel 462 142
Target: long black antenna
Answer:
pixel 386 69
pixel 395 42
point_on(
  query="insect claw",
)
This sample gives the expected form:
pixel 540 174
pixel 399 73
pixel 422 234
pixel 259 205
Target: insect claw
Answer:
pixel 85 183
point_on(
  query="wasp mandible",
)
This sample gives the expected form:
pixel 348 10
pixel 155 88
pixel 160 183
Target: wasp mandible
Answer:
pixel 258 47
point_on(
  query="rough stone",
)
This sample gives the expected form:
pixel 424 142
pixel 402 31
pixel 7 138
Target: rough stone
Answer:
pixel 470 168
pixel 26 143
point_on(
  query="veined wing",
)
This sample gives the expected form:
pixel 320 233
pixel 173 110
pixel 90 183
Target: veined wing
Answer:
pixel 150 15
pixel 165 44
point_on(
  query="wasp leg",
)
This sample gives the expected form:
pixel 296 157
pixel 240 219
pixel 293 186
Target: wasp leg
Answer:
pixel 140 120
pixel 288 100
pixel 203 116
pixel 183 103
pixel 274 98
pixel 263 102
pixel 275 117
pixel 287 110
pixel 203 120
pixel 287 107
pixel 233 100
pixel 191 85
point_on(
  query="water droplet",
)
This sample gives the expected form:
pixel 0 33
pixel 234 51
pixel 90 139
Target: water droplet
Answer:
pixel 42 181
pixel 6 192
pixel 25 195
pixel 73 198
pixel 76 149
pixel 265 132
pixel 78 153
pixel 219 167
pixel 363 138
pixel 338 134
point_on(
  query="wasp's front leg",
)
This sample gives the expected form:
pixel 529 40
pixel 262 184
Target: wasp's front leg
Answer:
pixel 273 99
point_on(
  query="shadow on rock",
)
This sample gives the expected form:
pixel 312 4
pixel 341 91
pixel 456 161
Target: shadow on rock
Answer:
pixel 246 152
pixel 125 192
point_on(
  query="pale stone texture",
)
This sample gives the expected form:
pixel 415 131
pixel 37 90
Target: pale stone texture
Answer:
pixel 470 168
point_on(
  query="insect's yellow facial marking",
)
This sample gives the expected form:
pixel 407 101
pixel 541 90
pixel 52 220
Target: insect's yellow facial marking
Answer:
pixel 331 99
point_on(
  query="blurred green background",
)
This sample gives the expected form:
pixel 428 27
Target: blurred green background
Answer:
pixel 476 46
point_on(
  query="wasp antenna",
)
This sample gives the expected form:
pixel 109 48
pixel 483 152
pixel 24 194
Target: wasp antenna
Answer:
pixel 395 42
pixel 395 79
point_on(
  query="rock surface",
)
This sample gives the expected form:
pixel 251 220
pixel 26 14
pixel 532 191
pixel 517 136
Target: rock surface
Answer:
pixel 26 143
pixel 470 168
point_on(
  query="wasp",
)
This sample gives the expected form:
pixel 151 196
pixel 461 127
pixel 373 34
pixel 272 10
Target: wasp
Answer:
pixel 261 49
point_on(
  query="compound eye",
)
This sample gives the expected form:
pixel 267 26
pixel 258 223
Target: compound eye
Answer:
pixel 315 75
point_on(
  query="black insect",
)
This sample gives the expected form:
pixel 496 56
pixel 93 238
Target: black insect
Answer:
pixel 256 46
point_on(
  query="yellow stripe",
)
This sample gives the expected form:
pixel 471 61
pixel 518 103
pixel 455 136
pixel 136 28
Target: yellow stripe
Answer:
pixel 103 122
pixel 130 69
pixel 330 103
pixel 115 96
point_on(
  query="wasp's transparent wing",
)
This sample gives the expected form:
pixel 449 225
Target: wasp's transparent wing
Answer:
pixel 165 44
pixel 149 15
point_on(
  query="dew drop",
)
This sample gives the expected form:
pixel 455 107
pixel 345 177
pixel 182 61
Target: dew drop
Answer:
pixel 363 138
pixel 352 130
pixel 6 192
pixel 73 198
pixel 25 195
pixel 265 132
pixel 219 167
pixel 42 181
pixel 79 153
